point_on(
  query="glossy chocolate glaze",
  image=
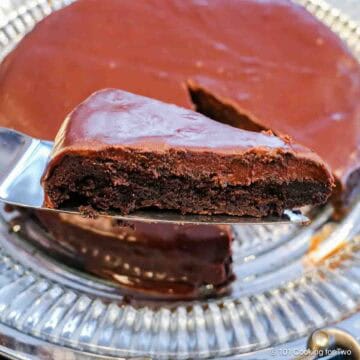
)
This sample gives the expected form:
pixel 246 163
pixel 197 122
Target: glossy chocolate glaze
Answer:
pixel 269 59
pixel 116 124
pixel 301 80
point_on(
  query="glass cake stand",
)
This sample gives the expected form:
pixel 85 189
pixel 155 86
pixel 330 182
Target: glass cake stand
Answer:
pixel 290 280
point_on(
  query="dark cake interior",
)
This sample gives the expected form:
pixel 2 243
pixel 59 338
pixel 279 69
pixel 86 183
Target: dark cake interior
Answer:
pixel 123 152
pixel 114 185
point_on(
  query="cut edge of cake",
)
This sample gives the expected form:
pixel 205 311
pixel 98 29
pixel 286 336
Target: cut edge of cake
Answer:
pixel 187 163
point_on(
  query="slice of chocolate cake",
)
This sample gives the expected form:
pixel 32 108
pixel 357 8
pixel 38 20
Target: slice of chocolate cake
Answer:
pixel 123 152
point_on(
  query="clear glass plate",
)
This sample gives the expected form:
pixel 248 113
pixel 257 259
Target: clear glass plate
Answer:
pixel 290 280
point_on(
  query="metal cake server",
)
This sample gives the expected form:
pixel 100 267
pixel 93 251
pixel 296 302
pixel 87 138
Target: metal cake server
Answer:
pixel 23 160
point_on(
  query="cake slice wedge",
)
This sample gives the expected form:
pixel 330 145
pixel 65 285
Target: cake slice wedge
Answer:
pixel 122 152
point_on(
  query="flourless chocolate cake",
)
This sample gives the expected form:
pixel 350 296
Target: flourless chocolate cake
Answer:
pixel 121 152
pixel 257 64
pixel 265 60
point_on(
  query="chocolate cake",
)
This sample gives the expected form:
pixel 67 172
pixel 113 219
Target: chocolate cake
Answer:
pixel 147 260
pixel 253 64
pixel 182 50
pixel 121 152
